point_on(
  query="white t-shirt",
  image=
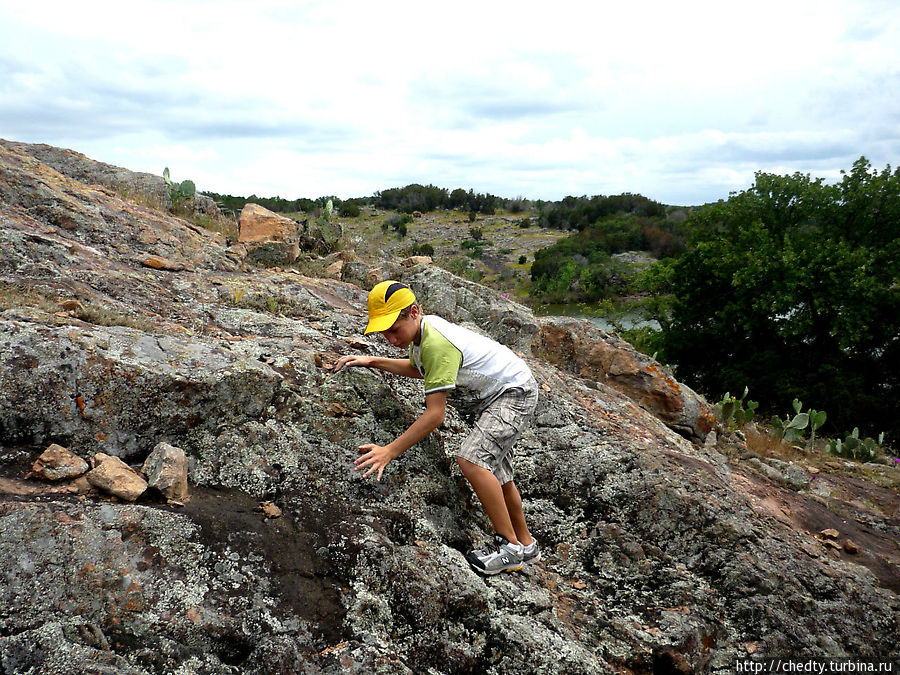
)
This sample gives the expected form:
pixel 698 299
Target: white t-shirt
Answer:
pixel 474 369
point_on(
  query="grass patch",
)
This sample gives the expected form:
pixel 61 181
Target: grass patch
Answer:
pixel 224 225
pixel 765 443
pixel 18 296
pixel 105 317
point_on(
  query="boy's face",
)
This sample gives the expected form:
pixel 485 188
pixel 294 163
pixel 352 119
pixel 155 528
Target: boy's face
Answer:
pixel 404 330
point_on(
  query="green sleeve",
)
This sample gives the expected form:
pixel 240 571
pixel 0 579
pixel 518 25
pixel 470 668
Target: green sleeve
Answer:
pixel 441 361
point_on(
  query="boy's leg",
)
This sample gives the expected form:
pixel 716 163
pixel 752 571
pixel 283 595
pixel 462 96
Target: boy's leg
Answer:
pixel 490 445
pixel 492 497
pixel 517 517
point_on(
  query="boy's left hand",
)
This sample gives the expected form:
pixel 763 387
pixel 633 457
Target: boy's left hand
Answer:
pixel 376 457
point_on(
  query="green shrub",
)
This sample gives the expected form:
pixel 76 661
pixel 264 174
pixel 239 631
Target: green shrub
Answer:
pixel 731 412
pixel 349 210
pixel 457 266
pixel 398 223
pixel 421 249
pixel 517 205
pixel 852 447
pixel 179 192
pixel 397 220
pixel 474 248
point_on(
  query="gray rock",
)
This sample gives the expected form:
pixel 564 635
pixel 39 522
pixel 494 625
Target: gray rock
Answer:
pixel 797 477
pixel 788 474
pixel 112 389
pixel 463 301
pixel 166 469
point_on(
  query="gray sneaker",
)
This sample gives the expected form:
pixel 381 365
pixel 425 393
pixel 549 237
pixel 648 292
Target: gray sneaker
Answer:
pixel 531 553
pixel 499 556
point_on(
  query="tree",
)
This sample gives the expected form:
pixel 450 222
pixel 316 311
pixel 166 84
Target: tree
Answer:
pixel 791 288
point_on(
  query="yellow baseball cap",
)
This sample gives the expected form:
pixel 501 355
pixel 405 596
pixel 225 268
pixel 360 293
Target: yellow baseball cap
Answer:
pixel 386 301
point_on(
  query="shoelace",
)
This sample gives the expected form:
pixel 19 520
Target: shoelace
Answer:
pixel 490 547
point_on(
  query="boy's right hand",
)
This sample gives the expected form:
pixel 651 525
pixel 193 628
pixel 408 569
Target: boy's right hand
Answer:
pixel 353 360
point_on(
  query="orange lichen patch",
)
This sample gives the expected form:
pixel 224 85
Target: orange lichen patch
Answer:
pixel 66 519
pixel 336 648
pixel 664 376
pixel 135 604
pixel 80 403
pixel 706 421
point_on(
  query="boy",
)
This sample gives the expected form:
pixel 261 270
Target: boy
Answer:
pixel 481 378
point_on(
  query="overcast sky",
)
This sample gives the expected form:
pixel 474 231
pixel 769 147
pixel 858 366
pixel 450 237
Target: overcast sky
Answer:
pixel 679 101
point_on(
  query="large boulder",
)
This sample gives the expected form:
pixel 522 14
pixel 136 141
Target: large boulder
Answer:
pixel 658 555
pixel 49 217
pixel 462 301
pixel 269 238
pixel 132 184
pixel 580 347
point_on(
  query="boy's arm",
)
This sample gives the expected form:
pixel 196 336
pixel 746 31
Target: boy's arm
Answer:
pixel 396 366
pixel 377 457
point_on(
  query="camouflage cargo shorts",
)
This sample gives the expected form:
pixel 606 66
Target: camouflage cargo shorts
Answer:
pixel 497 429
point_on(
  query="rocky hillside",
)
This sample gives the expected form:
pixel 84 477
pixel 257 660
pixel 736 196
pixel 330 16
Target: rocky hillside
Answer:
pixel 122 327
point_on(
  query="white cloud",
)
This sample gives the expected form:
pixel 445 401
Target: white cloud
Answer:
pixel 682 102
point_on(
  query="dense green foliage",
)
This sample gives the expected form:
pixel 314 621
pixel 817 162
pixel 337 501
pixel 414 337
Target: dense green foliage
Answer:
pixel 425 198
pixel 351 208
pixel 397 222
pixel 579 267
pixel 578 213
pixel 421 249
pixel 791 287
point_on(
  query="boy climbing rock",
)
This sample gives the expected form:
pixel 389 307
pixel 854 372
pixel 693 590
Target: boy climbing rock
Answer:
pixel 486 382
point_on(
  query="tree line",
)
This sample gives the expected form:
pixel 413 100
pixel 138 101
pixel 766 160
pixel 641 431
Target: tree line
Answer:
pixel 405 200
pixel 426 198
pixel 408 199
